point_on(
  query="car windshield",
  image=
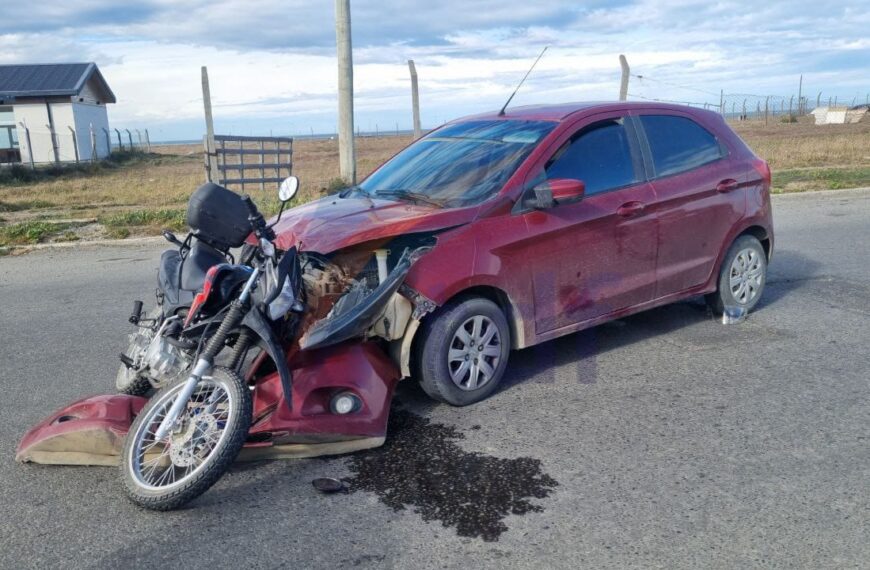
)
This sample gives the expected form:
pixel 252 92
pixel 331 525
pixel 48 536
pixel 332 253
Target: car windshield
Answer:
pixel 458 165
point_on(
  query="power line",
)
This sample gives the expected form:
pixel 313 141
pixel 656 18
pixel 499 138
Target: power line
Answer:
pixel 672 101
pixel 648 78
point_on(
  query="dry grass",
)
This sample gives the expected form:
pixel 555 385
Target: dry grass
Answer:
pixel 143 195
pixel 804 145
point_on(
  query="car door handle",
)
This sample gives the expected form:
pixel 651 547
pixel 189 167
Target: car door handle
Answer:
pixel 630 209
pixel 726 185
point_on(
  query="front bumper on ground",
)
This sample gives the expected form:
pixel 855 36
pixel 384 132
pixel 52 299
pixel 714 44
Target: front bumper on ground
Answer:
pixel 92 431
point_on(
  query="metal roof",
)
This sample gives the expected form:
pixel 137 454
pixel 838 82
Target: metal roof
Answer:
pixel 50 80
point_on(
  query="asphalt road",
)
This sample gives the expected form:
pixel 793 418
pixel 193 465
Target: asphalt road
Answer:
pixel 662 440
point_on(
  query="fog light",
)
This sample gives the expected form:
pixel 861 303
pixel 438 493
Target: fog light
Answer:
pixel 345 403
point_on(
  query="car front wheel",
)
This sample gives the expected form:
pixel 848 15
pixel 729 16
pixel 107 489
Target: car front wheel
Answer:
pixel 464 351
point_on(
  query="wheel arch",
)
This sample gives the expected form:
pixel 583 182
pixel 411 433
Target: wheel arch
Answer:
pixel 408 348
pixel 761 234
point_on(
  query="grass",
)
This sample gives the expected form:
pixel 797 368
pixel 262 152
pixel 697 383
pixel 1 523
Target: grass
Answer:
pixel 25 233
pixel 804 179
pixel 136 193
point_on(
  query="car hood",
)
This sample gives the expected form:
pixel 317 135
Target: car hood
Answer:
pixel 333 223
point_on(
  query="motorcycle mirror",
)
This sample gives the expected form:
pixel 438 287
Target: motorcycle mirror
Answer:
pixel 288 188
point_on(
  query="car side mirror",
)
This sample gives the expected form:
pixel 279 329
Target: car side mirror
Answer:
pixel 288 188
pixel 556 192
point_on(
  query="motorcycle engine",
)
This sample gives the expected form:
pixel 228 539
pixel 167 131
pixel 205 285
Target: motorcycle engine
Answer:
pixel 164 361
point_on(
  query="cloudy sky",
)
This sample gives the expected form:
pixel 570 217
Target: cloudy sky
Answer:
pixel 272 62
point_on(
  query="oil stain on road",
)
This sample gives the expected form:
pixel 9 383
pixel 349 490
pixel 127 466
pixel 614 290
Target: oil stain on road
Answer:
pixel 420 466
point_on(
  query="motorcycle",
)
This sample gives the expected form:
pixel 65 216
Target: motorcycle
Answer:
pixel 285 353
pixel 191 431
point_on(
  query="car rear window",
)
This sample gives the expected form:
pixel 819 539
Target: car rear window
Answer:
pixel 678 144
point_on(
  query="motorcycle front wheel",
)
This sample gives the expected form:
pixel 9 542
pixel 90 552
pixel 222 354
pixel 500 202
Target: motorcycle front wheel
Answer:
pixel 212 428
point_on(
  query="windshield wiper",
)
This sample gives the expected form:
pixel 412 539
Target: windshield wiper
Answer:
pixel 408 195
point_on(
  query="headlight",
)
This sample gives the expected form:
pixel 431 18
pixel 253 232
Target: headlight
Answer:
pixel 283 302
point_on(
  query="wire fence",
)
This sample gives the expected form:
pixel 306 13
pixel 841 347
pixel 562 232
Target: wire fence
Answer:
pixel 738 106
pixel 42 145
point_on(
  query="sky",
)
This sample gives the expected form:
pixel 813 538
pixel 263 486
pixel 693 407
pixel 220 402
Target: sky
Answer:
pixel 272 64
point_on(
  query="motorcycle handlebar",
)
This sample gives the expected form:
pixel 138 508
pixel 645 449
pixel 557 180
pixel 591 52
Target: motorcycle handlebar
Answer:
pixel 258 223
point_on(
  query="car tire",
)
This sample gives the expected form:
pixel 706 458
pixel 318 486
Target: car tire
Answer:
pixel 463 351
pixel 742 276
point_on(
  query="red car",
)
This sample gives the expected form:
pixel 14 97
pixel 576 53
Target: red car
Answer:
pixel 547 220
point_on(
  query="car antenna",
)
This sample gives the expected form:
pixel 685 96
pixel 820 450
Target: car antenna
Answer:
pixel 508 102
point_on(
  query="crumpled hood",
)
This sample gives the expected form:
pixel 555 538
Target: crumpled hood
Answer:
pixel 332 223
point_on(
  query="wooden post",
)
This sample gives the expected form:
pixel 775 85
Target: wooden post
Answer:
pixel 415 100
pixel 29 146
pixel 344 49
pixel 75 143
pixel 52 133
pixel 211 172
pixel 262 170
pixel 623 84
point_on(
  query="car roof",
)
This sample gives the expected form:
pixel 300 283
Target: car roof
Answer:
pixel 561 111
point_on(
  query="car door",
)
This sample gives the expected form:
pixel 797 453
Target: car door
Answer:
pixel 595 256
pixel 699 197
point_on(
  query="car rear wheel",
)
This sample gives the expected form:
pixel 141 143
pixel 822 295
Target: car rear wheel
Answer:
pixel 742 276
pixel 464 351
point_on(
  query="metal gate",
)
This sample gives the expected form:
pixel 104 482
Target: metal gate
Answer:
pixel 236 161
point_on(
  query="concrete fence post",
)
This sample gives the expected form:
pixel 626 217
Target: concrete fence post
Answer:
pixel 415 100
pixel 344 50
pixel 129 138
pixel 623 83
pixel 108 141
pixel 120 144
pixel 93 142
pixel 147 140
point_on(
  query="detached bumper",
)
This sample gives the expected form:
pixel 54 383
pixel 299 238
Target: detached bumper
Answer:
pixel 92 431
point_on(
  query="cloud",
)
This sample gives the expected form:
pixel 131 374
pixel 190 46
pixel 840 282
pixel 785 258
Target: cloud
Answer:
pixel 272 62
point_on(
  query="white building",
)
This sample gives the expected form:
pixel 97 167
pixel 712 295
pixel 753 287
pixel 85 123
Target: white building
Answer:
pixel 53 113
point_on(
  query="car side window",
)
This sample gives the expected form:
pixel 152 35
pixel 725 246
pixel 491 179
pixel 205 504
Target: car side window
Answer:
pixel 599 155
pixel 678 144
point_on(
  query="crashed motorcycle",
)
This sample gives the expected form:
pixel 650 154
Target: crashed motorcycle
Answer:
pixel 279 355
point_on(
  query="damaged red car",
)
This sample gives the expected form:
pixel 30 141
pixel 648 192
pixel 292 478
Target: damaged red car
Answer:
pixel 491 233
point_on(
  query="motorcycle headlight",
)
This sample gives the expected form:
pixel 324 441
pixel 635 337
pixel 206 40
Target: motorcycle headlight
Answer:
pixel 283 302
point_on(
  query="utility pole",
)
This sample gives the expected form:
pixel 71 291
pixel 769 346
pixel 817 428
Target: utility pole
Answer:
pixel 344 48
pixel 415 99
pixel 623 85
pixel 211 152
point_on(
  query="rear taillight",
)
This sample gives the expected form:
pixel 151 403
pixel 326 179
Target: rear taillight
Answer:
pixel 201 297
pixel 763 169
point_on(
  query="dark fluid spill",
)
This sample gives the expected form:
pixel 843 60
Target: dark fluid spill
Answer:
pixel 420 466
